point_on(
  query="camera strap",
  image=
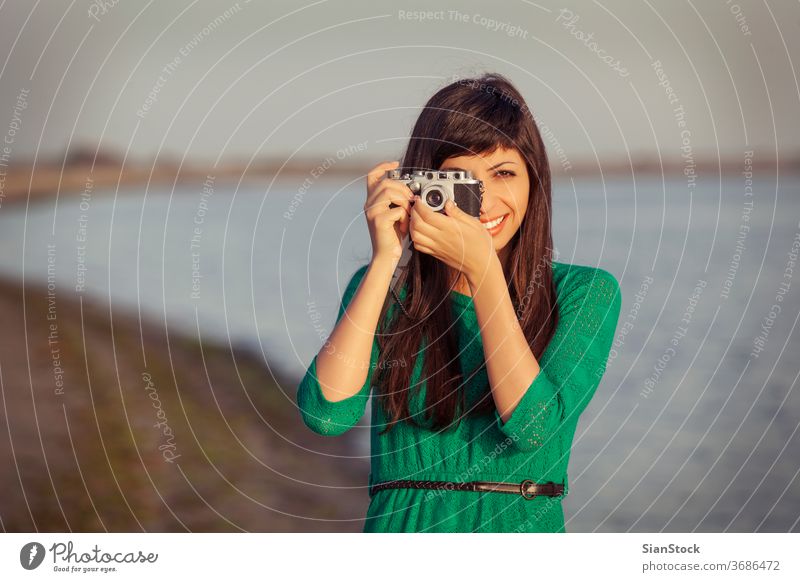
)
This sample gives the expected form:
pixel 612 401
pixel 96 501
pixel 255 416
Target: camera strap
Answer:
pixel 395 283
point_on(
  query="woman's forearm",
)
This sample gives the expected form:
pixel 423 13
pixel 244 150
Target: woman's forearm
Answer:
pixel 510 364
pixel 343 362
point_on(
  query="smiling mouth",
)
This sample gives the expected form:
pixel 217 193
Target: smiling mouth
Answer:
pixel 495 223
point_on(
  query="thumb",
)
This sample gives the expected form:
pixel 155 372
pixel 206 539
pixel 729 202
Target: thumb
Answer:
pixel 451 209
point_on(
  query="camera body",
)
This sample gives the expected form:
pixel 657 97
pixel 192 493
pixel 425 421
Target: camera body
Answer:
pixel 436 187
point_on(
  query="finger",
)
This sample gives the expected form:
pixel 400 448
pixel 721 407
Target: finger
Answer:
pixel 378 171
pixel 390 202
pixel 391 216
pixel 451 209
pixel 387 199
pixel 404 226
pixel 404 223
pixel 418 223
pixel 392 191
pixel 423 249
pixel 429 215
pixel 380 190
pixel 423 239
pixel 422 218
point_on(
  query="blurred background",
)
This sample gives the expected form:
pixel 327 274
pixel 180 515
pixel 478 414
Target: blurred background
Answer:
pixel 181 193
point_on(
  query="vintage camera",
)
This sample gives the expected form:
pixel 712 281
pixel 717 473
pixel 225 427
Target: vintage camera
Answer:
pixel 436 187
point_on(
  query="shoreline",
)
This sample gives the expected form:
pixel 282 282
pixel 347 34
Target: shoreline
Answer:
pixel 113 430
pixel 23 182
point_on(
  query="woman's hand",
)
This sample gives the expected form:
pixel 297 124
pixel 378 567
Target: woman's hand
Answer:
pixel 456 238
pixel 388 227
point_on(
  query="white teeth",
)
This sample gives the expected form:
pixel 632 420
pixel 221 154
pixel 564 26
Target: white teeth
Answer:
pixel 492 224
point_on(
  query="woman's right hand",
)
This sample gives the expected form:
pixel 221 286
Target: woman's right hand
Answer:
pixel 388 227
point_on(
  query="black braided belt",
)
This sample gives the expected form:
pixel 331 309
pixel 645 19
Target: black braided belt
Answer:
pixel 527 488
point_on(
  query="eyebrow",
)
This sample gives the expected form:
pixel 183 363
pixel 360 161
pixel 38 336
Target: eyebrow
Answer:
pixel 463 170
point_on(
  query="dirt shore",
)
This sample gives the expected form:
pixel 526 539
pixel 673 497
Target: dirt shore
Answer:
pixel 116 430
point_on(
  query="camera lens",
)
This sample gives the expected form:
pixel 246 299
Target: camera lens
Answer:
pixel 434 198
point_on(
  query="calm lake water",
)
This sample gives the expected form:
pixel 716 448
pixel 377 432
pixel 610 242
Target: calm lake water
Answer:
pixel 689 431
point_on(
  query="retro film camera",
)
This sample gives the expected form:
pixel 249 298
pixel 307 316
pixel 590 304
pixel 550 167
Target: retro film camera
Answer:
pixel 436 187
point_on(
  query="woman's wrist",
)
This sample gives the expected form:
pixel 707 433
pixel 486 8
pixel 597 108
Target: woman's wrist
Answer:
pixel 383 264
pixel 487 269
pixel 385 261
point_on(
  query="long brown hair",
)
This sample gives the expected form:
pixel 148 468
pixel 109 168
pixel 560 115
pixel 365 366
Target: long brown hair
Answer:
pixel 467 117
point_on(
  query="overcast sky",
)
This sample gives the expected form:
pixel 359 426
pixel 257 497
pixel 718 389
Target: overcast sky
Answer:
pixel 207 79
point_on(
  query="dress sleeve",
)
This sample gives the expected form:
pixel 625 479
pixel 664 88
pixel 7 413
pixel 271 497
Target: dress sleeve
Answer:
pixel 321 415
pixel 573 362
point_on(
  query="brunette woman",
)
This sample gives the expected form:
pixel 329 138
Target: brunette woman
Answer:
pixel 484 352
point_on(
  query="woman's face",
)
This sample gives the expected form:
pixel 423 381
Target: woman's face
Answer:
pixel 506 189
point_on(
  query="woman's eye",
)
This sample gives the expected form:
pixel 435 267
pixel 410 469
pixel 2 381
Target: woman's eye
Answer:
pixel 505 173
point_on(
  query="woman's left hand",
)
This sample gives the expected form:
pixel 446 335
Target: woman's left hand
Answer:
pixel 456 238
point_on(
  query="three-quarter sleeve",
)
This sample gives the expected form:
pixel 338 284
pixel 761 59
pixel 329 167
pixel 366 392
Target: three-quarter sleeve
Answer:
pixel 573 363
pixel 321 415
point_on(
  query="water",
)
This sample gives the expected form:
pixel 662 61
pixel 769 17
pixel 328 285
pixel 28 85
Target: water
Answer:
pixel 708 445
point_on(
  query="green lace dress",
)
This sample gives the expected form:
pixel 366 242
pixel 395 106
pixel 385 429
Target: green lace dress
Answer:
pixel 534 444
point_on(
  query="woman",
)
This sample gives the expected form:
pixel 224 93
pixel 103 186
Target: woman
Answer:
pixel 487 356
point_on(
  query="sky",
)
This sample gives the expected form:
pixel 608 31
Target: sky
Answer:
pixel 233 80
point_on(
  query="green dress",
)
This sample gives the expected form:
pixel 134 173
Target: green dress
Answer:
pixel 534 444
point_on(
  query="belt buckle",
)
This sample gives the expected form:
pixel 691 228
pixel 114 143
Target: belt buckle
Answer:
pixel 523 489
